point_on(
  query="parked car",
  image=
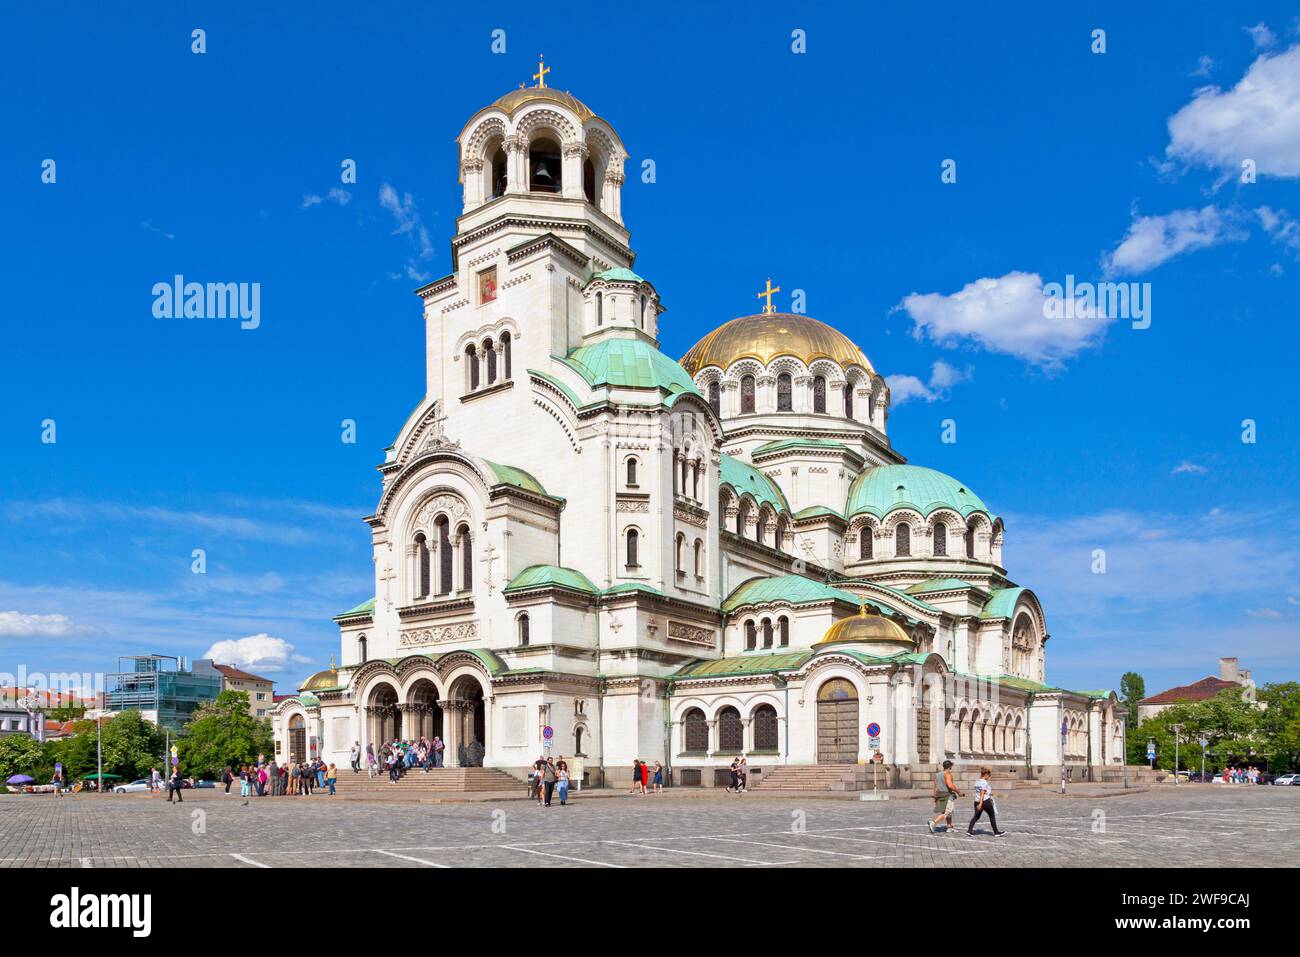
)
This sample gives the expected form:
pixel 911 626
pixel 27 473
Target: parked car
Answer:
pixel 141 784
pixel 1285 778
pixel 1265 778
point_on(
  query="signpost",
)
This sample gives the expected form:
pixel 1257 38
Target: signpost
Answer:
pixel 547 734
pixel 1177 730
pixel 1064 728
pixel 873 742
pixel 1204 742
pixel 1151 752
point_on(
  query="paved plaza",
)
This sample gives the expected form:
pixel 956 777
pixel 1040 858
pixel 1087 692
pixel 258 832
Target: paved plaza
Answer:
pixel 1191 826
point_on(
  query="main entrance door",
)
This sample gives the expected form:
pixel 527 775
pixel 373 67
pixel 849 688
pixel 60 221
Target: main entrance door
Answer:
pixel 297 739
pixel 923 734
pixel 837 722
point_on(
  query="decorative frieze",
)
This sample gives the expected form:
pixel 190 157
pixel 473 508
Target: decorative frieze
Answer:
pixel 438 634
pixel 633 505
pixel 681 631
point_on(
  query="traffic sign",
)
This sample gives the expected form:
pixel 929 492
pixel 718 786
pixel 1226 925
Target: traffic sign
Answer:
pixel 873 742
pixel 547 744
pixel 175 760
pixel 548 732
pixel 174 751
pixel 873 731
pixel 1151 753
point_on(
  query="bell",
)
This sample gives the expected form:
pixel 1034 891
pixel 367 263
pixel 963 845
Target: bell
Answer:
pixel 540 172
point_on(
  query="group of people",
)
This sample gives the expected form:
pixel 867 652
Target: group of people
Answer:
pixel 548 778
pixel 269 779
pixel 1241 775
pixel 739 776
pixel 641 778
pixel 945 793
pixel 397 757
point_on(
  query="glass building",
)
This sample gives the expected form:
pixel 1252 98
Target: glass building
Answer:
pixel 161 688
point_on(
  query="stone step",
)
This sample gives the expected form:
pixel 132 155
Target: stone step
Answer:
pixel 437 779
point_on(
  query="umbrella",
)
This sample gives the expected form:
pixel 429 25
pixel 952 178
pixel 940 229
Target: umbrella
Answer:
pixel 20 779
pixel 107 777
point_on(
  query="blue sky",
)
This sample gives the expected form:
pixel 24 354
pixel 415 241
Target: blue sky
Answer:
pixel 820 169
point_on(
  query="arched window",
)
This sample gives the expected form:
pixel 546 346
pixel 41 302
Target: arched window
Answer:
pixel 699 559
pixel 679 553
pixel 783 403
pixel 767 632
pixel 715 399
pixel 361 649
pixel 747 393
pixel 783 631
pixel 545 170
pixel 865 543
pixel 696 470
pixel 491 355
pixel 577 740
pixel 632 538
pixel 421 566
pixel 466 558
pixel 760 528
pixel 523 628
pixel 631 472
pixel 499 173
pixel 751 636
pixel 742 518
pixel 731 734
pixel 471 367
pixel 940 539
pixel 848 401
pixel 765 724
pixel 819 394
pixel 505 355
pixel 970 540
pixel 589 181
pixel 444 555
pixel 695 732
pixel 903 540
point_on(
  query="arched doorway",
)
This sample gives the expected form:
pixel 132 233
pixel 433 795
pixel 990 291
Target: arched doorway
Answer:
pixel 470 714
pixel 297 739
pixel 385 717
pixel 837 722
pixel 425 710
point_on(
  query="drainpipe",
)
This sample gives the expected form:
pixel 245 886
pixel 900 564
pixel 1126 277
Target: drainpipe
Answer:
pixel 893 726
pixel 1029 738
pixel 668 730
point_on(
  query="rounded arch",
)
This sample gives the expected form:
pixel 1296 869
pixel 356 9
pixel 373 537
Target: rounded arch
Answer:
pixel 539 122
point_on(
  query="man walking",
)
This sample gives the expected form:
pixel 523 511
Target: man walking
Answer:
pixel 945 794
pixel 984 804
pixel 549 777
pixel 174 786
pixel 356 757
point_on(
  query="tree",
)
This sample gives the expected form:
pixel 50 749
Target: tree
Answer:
pixel 222 733
pixel 1233 728
pixel 20 754
pixel 1132 689
pixel 1281 723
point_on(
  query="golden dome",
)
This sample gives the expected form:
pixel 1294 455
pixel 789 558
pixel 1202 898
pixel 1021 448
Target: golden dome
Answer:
pixel 765 336
pixel 321 680
pixel 532 94
pixel 865 627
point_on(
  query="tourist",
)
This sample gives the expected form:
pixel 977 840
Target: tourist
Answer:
pixel 562 785
pixel 984 804
pixel 659 778
pixel 174 786
pixel 439 746
pixel 636 775
pixel 226 778
pixel 261 781
pixel 370 760
pixel 645 777
pixel 735 777
pixel 945 794
pixel 392 767
pixel 57 781
pixel 549 777
pixel 742 774
pixel 243 781
pixel 354 756
pixel 155 781
pixel 331 775
pixel 320 772
pixel 295 779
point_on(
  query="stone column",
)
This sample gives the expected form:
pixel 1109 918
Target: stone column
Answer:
pixel 516 164
pixel 450 733
pixel 612 199
pixel 573 157
pixel 471 172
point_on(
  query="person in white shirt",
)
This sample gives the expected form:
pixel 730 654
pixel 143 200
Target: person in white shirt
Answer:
pixel 984 804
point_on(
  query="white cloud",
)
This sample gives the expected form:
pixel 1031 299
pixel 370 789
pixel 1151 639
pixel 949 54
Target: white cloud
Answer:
pixel 408 224
pixel 1258 119
pixel 256 653
pixel 335 195
pixel 1261 36
pixel 1203 67
pixel 1188 468
pixel 148 224
pixel 1281 227
pixel 1268 614
pixel 1153 240
pixel 1005 315
pixel 14 624
pixel 942 378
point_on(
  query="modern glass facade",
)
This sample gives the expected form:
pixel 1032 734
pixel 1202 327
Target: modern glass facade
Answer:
pixel 160 688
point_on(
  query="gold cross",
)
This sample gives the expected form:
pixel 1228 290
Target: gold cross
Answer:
pixel 542 70
pixel 767 293
pixel 333 667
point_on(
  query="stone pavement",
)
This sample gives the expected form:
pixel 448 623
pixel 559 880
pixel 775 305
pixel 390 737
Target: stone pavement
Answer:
pixel 1188 826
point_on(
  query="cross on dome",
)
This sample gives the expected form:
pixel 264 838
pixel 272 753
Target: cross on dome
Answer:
pixel 767 294
pixel 542 70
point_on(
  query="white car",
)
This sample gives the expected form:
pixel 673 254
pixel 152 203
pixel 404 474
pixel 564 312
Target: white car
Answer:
pixel 139 785
pixel 1286 779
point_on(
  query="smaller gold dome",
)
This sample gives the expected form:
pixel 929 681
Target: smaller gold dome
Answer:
pixel 320 680
pixel 532 94
pixel 766 335
pixel 866 628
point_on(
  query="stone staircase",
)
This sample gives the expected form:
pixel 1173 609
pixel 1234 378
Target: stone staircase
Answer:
pixel 819 777
pixel 1138 774
pixel 1003 779
pixel 438 780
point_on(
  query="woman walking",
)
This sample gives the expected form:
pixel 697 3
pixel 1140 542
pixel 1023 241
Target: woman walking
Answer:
pixel 742 775
pixel 370 760
pixel 331 775
pixel 562 772
pixel 984 804
pixel 243 781
pixel 659 778
pixel 636 775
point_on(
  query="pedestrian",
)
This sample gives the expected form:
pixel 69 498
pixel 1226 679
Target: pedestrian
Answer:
pixel 331 775
pixel 295 777
pixel 645 777
pixel 57 781
pixel 226 778
pixel 320 773
pixel 261 782
pixel 370 760
pixel 742 774
pixel 984 804
pixel 636 775
pixel 945 794
pixel 549 777
pixel 439 746
pixel 735 777
pixel 174 786
pixel 243 781
pixel 355 756
pixel 155 781
pixel 659 778
pixel 562 772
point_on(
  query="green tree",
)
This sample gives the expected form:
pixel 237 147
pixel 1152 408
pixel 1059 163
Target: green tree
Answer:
pixel 1132 689
pixel 1281 723
pixel 1233 729
pixel 222 733
pixel 131 746
pixel 20 754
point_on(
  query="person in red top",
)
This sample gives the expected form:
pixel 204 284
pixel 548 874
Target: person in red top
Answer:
pixel 645 776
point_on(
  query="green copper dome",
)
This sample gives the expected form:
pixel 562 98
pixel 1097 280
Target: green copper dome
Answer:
pixel 883 489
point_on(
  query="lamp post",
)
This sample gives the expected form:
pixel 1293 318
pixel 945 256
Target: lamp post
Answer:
pixel 99 749
pixel 1177 730
pixel 1123 732
pixel 1204 742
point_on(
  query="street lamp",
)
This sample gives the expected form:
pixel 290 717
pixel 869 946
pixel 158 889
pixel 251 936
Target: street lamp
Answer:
pixel 99 750
pixel 1177 730
pixel 1204 742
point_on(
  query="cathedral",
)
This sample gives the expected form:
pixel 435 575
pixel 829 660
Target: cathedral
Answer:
pixel 586 548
